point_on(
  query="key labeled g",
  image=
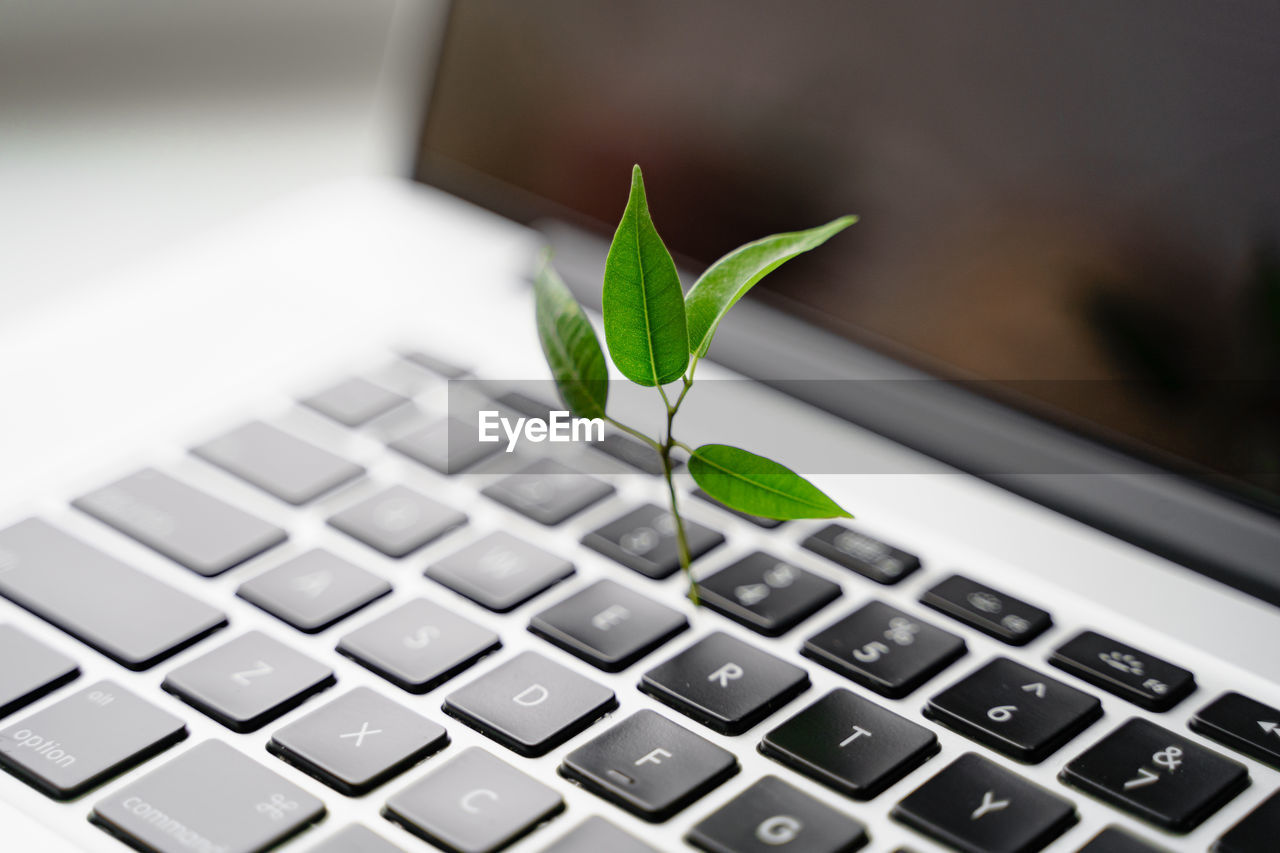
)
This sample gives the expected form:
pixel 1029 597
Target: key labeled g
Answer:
pixel 778 830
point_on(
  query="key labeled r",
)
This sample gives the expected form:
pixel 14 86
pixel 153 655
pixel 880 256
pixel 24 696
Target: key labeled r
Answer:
pixel 725 674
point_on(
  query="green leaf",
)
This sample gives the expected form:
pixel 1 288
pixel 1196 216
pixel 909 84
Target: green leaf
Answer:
pixel 728 279
pixel 753 484
pixel 643 303
pixel 570 345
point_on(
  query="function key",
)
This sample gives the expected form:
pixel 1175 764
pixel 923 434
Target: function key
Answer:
pixel 1156 775
pixel 1242 724
pixel 548 491
pixel 644 540
pixel 649 766
pixel 993 613
pixel 757 520
pixel 31 669
pixel 976 806
pixel 66 582
pixel 724 683
pixel 212 797
pixel 884 649
pixel 869 557
pixel 397 521
pixel 353 402
pixel 530 704
pixel 293 470
pixel 1113 839
pixel 1014 710
pixel 313 590
pixel 439 366
pixel 358 741
pixel 447 446
pixel 850 744
pixel 472 803
pixel 419 645
pixel 499 571
pixel 196 530
pixel 85 739
pixel 249 681
pixel 766 594
pixel 1143 679
pixel 772 814
pixel 596 834
pixel 1256 832
pixel 631 451
pixel 608 625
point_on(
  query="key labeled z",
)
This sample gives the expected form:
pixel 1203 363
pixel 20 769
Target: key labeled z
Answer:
pixel 259 670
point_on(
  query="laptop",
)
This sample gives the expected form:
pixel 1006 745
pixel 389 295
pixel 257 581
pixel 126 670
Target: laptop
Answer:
pixel 262 586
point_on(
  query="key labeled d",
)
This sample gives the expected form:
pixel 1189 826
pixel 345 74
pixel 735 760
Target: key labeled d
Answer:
pixel 534 694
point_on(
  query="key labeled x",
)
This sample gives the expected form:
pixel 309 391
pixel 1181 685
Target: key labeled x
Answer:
pixel 360 735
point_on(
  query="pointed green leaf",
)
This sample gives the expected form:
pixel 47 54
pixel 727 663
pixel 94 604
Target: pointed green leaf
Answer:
pixel 728 279
pixel 570 345
pixel 758 486
pixel 643 303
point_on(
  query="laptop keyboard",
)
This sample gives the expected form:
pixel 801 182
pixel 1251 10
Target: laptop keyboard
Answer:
pixel 705 687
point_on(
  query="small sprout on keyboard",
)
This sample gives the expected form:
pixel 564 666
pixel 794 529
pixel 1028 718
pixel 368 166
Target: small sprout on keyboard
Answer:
pixel 656 335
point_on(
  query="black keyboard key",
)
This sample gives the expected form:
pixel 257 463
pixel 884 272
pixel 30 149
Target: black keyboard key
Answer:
pixel 850 744
pixel 595 834
pixel 548 491
pixel 353 402
pixel 211 798
pixel 529 704
pixel 283 465
pixel 358 741
pixel 757 520
pixel 397 521
pixel 869 557
pixel 129 616
pixel 31 669
pixel 1257 832
pixel 85 739
pixel 649 766
pixel 1116 840
pixel 632 451
pixel 976 806
pixel 499 571
pixel 447 446
pixel 1014 710
pixel 419 645
pixel 249 681
pixel 1156 775
pixel 992 612
pixel 608 625
pixel 355 838
pixel 884 649
pixel 313 590
pixel 644 540
pixel 772 814
pixel 766 594
pixel 474 803
pixel 724 683
pixel 1243 724
pixel 188 526
pixel 1143 679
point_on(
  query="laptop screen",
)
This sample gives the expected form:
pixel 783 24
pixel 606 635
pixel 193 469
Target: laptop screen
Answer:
pixel 1079 202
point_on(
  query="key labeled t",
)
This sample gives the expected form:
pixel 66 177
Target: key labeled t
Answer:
pixel 858 731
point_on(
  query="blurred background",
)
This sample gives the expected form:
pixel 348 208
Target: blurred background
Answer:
pixel 1077 204
pixel 127 125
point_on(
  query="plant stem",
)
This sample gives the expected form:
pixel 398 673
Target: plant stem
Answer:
pixel 682 540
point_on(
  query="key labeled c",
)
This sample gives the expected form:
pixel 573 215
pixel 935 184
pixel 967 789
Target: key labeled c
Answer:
pixel 468 801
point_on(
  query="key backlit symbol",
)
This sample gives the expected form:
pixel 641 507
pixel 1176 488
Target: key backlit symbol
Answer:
pixel 471 800
pixel 359 736
pixel 313 584
pixel 725 674
pixel 610 616
pixel 640 541
pixel 902 631
pixel 245 676
pixel 276 807
pixel 989 804
pixel 421 638
pixel 778 830
pixel 1122 661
